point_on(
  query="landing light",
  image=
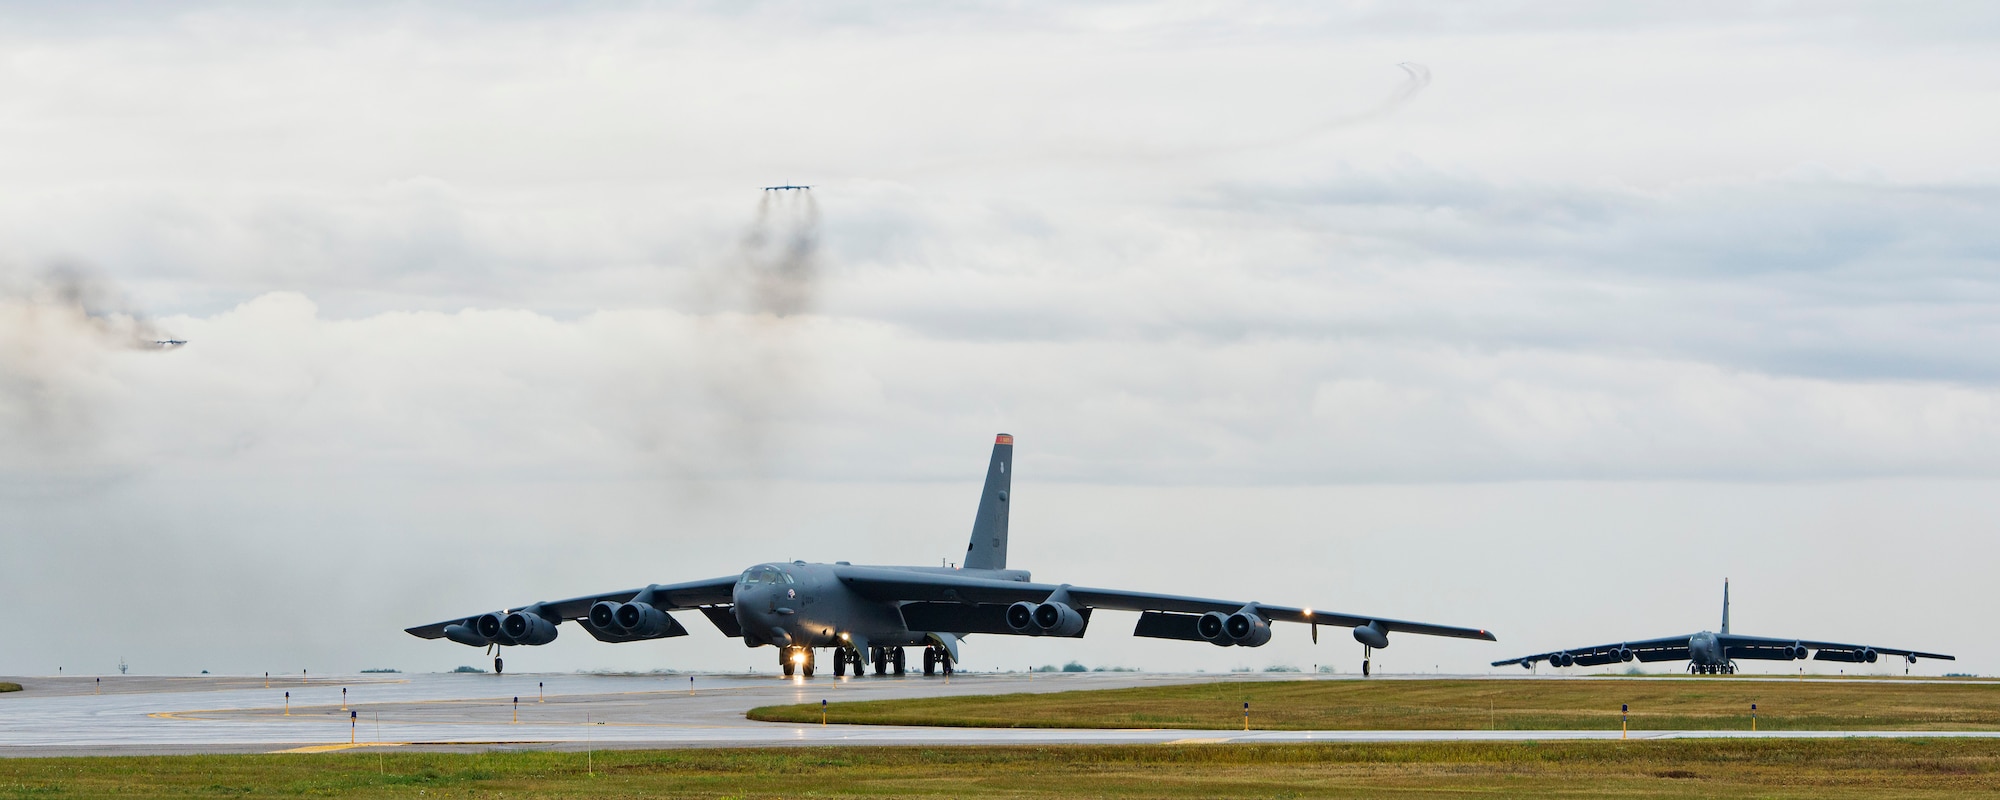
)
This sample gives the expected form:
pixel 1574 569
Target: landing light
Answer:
pixel 1309 612
pixel 843 637
pixel 798 658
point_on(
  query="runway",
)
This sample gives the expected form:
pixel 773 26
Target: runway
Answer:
pixel 176 715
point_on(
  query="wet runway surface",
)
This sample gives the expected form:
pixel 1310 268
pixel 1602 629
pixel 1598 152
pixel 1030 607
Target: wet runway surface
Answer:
pixel 221 714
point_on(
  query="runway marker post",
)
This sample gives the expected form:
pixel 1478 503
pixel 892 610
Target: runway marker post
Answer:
pixel 538 692
pixel 288 704
pixel 517 711
pixel 100 686
pixel 1246 715
pixel 1624 719
pixel 343 698
pixel 1753 717
pixel 353 719
pixel 267 679
pixel 822 712
pixel 690 685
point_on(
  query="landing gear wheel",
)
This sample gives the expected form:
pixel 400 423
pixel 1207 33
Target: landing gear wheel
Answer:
pixel 498 664
pixel 808 669
pixel 1364 668
pixel 839 663
pixel 881 661
pixel 930 661
pixel 785 661
pixel 897 664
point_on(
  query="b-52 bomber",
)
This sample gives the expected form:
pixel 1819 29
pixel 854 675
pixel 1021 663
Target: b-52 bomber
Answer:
pixel 871 613
pixel 1716 653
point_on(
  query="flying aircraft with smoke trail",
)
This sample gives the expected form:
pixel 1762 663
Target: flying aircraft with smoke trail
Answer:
pixel 871 613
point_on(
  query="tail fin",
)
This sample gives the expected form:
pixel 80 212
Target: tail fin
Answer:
pixel 1725 605
pixel 988 549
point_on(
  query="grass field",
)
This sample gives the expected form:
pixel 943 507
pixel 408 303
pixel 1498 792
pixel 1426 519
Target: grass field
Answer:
pixel 1694 704
pixel 1836 768
pixel 9 687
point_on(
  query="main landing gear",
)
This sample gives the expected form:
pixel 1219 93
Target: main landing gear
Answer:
pixel 888 660
pixel 935 658
pixel 1367 655
pixel 1713 669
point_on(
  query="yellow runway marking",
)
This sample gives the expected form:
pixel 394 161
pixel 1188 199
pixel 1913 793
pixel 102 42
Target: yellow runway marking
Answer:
pixel 334 748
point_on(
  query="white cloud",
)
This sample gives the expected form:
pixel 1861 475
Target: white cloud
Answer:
pixel 449 274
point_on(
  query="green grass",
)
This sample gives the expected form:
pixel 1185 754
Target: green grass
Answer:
pixel 1695 704
pixel 1833 768
pixel 9 687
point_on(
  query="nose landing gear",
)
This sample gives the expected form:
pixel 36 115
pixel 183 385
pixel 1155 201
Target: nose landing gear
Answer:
pixel 796 659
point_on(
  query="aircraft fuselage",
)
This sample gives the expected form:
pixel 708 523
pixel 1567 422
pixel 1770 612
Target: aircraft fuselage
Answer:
pixel 806 605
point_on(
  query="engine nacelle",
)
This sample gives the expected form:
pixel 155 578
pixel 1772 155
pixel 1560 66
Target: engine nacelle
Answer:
pixel 488 625
pixel 1798 651
pixel 1626 654
pixel 465 635
pixel 604 615
pixel 1213 626
pixel 1057 619
pixel 526 628
pixel 1562 660
pixel 1021 618
pixel 641 619
pixel 1246 629
pixel 1868 654
pixel 1372 634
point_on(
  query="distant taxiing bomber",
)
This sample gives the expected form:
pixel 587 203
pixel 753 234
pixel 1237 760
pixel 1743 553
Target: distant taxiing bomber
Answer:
pixel 871 613
pixel 1716 653
pixel 786 188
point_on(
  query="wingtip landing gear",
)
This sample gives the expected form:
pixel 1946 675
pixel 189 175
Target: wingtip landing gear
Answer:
pixel 1367 657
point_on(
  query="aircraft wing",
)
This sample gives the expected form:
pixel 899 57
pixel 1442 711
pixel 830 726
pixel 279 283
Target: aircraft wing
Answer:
pixel 934 587
pixel 666 597
pixel 1671 648
pixel 1767 648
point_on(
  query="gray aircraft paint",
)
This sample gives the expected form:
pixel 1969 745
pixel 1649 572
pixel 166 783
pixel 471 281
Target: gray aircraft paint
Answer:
pixel 1710 652
pixel 866 612
pixel 988 548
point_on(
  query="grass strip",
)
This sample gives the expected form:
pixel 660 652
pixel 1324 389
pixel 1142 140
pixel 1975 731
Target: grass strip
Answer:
pixel 1831 768
pixel 1693 704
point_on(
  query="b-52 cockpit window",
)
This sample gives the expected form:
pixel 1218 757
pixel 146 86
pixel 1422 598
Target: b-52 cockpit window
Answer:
pixel 765 575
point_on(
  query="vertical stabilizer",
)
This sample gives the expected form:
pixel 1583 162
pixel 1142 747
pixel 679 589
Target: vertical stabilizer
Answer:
pixel 1725 605
pixel 988 549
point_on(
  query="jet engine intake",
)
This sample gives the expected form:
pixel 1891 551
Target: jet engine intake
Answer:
pixel 1021 618
pixel 1247 629
pixel 1056 619
pixel 641 619
pixel 488 625
pixel 1213 627
pixel 1798 651
pixel 1372 634
pixel 526 628
pixel 1562 659
pixel 604 615
pixel 1868 654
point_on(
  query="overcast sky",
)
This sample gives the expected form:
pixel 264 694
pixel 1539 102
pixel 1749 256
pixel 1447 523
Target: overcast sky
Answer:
pixel 1540 317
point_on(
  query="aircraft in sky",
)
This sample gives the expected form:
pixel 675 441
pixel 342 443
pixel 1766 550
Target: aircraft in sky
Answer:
pixel 871 613
pixel 170 342
pixel 1716 653
pixel 786 188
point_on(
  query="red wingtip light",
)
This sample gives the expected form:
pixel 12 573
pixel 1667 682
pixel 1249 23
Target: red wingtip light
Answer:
pixel 1004 438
